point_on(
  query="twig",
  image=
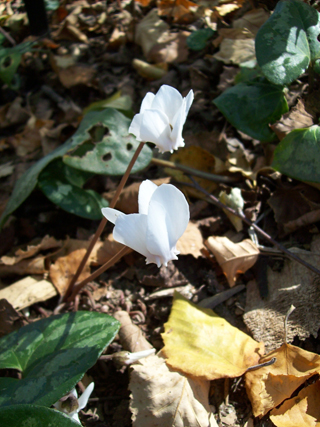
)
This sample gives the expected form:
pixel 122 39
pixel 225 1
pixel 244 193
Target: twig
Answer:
pixel 77 288
pixel 101 226
pixel 251 224
pixel 7 36
pixel 196 172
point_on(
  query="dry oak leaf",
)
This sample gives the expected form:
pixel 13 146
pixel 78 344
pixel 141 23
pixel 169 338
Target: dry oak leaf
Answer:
pixel 269 386
pixel 302 410
pixel 162 397
pixel 233 258
pixel 200 343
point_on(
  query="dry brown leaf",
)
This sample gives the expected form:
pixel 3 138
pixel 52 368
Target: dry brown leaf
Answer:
pixel 25 266
pixel 10 319
pixel 302 410
pixel 269 386
pixel 30 138
pixel 233 258
pixel 171 47
pixel 252 20
pixel 46 243
pixel 296 118
pixel 161 396
pixel 13 113
pixel 131 336
pixel 304 220
pixel 178 9
pixel 28 291
pixel 191 242
pixel 65 267
pixel 149 30
pixel 236 46
pixel 202 344
pixel 80 74
pixel 197 158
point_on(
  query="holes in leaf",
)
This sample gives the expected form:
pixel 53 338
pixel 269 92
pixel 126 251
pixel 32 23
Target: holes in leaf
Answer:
pixel 107 157
pixel 7 62
pixel 98 132
pixel 318 38
pixel 129 146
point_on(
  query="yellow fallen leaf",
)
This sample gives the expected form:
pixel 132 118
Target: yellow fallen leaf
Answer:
pixel 235 201
pixel 200 343
pixel 302 410
pixel 233 258
pixel 148 71
pixel 163 397
pixel 269 386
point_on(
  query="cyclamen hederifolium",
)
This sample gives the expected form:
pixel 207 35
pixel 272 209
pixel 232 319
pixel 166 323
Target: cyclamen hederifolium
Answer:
pixel 161 118
pixel 153 232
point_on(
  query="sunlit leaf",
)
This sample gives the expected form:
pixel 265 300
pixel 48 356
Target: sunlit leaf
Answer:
pixel 287 43
pixel 200 343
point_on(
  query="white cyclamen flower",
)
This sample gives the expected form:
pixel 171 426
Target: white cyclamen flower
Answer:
pixel 153 232
pixel 161 118
pixel 71 405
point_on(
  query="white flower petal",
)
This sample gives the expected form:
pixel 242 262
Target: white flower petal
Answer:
pixel 176 134
pixel 177 212
pixel 189 100
pixel 83 399
pixel 111 214
pixel 146 189
pixel 130 230
pixel 157 238
pixel 168 100
pixel 135 126
pixel 155 127
pixel 147 102
pixel 75 417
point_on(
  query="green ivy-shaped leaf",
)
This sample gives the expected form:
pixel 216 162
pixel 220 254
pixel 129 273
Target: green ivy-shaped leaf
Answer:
pixel 63 186
pixel 112 150
pixel 251 107
pixel 287 43
pixel 34 416
pixel 94 119
pixel 298 155
pixel 198 39
pixel 52 355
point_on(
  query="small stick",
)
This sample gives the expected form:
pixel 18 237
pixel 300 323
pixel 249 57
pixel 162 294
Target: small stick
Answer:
pixel 262 365
pixel 258 229
pixel 196 172
pixel 77 288
pixel 7 36
pixel 102 223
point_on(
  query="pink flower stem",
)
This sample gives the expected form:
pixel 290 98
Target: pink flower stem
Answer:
pixel 102 224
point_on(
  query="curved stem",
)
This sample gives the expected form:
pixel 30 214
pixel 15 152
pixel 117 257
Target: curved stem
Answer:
pixel 102 224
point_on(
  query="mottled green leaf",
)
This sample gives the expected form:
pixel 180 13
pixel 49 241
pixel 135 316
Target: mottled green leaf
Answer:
pixel 112 149
pixel 27 182
pixel 53 354
pixel 298 155
pixel 34 416
pixel 287 43
pixel 63 186
pixel 252 107
pixel 198 39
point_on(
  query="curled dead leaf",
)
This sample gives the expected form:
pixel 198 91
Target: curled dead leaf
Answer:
pixel 269 386
pixel 234 258
pixel 131 336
